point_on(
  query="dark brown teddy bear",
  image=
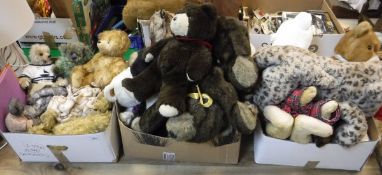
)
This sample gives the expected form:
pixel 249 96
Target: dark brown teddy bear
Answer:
pixel 182 60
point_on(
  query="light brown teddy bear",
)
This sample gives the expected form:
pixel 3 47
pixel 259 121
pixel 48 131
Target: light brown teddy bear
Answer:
pixel 358 45
pixel 106 64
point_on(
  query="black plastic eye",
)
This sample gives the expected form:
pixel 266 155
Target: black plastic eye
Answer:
pixel 369 47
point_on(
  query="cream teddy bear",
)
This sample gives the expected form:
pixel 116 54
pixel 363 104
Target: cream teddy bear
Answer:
pixel 299 117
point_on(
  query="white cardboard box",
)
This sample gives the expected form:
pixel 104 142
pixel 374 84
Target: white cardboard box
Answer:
pixel 61 29
pixel 99 147
pixel 268 150
pixel 322 45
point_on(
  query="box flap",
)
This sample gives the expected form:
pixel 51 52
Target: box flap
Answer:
pixel 98 147
pixel 271 6
pixel 139 145
pixel 331 156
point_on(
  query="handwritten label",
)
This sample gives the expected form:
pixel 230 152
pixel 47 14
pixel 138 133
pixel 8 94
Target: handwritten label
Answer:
pixel 34 150
pixel 168 156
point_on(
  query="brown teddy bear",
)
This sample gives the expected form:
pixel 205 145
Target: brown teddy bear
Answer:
pixel 359 44
pixel 106 64
pixel 183 60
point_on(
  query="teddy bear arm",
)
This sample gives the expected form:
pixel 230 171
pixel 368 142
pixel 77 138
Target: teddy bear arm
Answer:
pixel 198 66
pixel 144 85
pixel 151 120
pixel 306 126
pixel 77 77
pixel 172 99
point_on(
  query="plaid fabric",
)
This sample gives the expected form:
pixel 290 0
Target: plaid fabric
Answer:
pixel 315 112
pixel 313 109
pixel 292 104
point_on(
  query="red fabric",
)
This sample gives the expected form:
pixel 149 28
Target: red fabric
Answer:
pixel 313 109
pixel 378 115
pixel 196 41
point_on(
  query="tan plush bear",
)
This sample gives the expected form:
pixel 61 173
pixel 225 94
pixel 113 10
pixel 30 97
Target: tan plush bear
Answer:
pixel 358 45
pixel 106 64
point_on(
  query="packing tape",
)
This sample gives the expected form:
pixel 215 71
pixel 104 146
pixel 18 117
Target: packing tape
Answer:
pixel 311 164
pixel 58 153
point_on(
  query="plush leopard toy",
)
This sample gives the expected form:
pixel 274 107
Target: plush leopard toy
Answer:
pixel 356 86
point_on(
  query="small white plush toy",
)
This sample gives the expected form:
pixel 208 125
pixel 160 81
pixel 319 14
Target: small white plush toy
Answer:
pixel 296 32
pixel 114 92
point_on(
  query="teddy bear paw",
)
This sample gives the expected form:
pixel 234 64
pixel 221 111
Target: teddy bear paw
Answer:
pixel 168 111
pixel 126 117
pixel 62 82
pixel 182 127
pixel 25 82
pixel 135 124
pixel 149 57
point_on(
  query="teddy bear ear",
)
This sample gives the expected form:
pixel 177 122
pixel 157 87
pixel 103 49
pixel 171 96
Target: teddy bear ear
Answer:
pixel 210 10
pixel 362 29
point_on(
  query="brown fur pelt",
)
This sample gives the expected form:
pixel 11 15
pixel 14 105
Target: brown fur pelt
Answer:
pixel 143 9
pixel 106 64
pixel 359 44
pixel 94 123
pixel 160 25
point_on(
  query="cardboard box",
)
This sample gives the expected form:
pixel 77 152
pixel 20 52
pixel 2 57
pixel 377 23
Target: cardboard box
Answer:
pixel 138 146
pixel 98 147
pixel 60 28
pixel 322 45
pixel 268 150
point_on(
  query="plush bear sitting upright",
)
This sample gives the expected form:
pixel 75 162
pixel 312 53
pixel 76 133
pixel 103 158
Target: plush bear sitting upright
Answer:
pixel 72 54
pixel 182 60
pixel 106 64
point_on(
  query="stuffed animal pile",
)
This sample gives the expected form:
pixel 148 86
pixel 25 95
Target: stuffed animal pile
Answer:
pixel 196 76
pixel 54 107
pixel 355 87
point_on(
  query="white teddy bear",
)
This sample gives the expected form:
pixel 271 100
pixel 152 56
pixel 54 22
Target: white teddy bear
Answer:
pixel 296 32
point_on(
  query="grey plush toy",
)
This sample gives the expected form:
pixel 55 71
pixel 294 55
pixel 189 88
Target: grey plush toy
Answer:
pixel 355 86
pixel 72 54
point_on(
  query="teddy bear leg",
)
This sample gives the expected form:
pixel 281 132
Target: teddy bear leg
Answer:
pixel 280 123
pixel 181 128
pixel 172 100
pixel 78 74
pixel 243 74
pixel 354 127
pixel 246 117
pixel 308 95
pixel 227 136
pixel 150 122
pixel 144 85
pixel 306 126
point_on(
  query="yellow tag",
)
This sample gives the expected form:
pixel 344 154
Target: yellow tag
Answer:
pixel 204 99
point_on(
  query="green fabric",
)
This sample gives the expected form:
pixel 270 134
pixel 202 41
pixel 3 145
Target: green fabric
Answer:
pixel 128 53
